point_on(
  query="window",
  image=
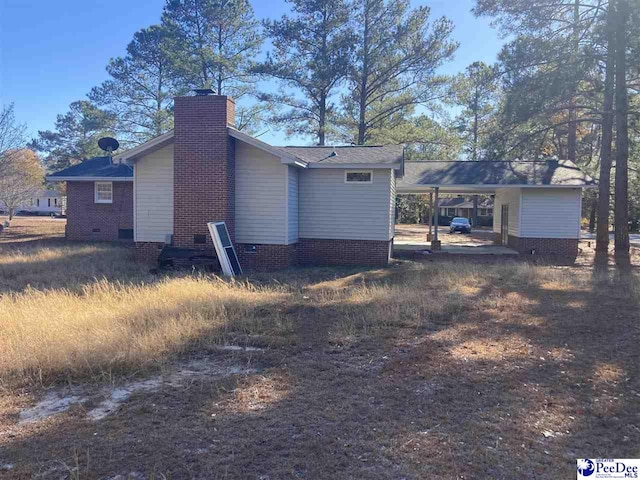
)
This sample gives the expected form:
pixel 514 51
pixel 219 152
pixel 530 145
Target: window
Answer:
pixel 358 176
pixel 451 212
pixel 104 192
pixel 48 202
pixel 55 202
pixel 37 202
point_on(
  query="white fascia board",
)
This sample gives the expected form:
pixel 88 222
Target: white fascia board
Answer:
pixel 254 142
pixel 481 187
pixel 357 166
pixel 146 148
pixel 89 179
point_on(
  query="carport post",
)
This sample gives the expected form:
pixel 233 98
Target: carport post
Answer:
pixel 429 237
pixel 435 243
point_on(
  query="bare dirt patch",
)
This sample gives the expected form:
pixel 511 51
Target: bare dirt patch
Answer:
pixel 417 233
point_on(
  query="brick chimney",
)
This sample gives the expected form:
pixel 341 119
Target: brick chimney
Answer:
pixel 204 168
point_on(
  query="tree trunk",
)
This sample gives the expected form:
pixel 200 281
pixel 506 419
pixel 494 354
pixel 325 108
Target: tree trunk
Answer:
pixel 11 211
pixel 362 100
pixel 621 210
pixel 322 119
pixel 604 186
pixel 593 209
pixel 572 128
pixel 475 211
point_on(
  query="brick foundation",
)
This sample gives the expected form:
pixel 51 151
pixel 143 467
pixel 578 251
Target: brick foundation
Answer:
pixel 344 252
pixel 148 252
pixel 204 166
pixel 87 220
pixel 563 247
pixel 268 257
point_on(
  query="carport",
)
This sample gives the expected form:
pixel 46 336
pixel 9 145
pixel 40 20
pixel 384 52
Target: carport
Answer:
pixel 537 204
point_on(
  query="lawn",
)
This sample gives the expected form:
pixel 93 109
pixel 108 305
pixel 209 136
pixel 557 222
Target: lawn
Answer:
pixel 433 368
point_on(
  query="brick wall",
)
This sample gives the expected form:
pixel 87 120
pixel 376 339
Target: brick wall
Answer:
pixel 344 252
pixel 268 257
pixel 564 247
pixel 204 168
pixel 87 220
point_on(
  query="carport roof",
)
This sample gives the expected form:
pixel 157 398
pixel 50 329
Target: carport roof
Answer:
pixel 483 174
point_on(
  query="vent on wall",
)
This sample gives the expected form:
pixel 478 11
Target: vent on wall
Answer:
pixel 199 239
pixel 125 234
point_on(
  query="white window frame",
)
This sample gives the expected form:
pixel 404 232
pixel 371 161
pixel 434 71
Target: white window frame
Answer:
pixel 347 172
pixel 95 193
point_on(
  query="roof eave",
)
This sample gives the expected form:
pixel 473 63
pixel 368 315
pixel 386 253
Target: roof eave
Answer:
pixel 146 148
pixel 368 166
pixel 285 158
pixel 479 187
pixel 86 178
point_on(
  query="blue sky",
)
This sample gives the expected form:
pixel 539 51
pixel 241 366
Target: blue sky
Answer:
pixel 53 52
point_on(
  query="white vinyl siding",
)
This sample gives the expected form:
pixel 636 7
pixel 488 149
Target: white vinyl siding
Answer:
pixel 153 187
pixel 261 196
pixel 292 205
pixel 392 205
pixel 550 213
pixel 333 209
pixel 511 197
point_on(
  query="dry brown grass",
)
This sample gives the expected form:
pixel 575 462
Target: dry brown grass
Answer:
pixel 434 369
pixel 112 328
pixel 32 229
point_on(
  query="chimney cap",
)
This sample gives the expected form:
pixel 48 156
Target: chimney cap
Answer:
pixel 203 92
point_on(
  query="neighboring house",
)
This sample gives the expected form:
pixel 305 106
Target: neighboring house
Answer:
pixel 45 202
pixel 282 205
pixel 463 207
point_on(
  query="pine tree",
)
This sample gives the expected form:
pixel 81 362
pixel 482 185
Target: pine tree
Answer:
pixel 604 185
pixel 397 53
pixel 213 43
pixel 311 54
pixel 76 135
pixel 546 64
pixel 141 89
pixel 475 91
pixel 621 203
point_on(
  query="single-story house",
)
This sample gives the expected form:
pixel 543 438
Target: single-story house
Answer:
pixel 282 205
pixel 43 202
pixel 463 207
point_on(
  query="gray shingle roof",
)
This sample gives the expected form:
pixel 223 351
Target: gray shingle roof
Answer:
pixel 551 172
pixel 48 194
pixel 96 167
pixel 387 154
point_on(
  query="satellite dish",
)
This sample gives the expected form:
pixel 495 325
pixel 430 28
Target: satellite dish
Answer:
pixel 108 144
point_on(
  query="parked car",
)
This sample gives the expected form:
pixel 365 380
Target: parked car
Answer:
pixel 460 224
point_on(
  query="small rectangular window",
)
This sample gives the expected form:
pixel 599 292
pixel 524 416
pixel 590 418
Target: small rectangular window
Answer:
pixel 358 176
pixel 104 192
pixel 37 202
pixel 48 202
